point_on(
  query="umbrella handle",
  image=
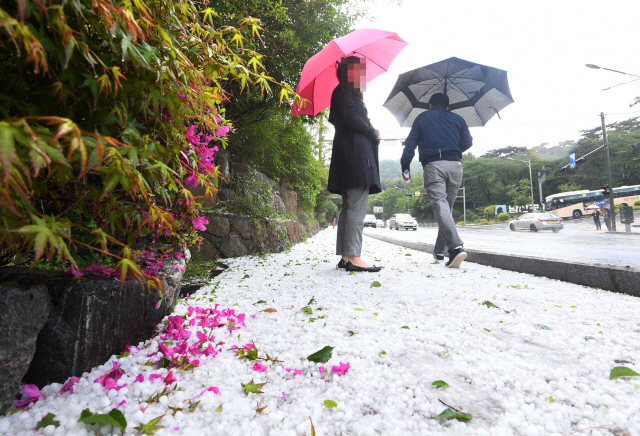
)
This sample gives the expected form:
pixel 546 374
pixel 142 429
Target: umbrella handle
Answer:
pixel 499 117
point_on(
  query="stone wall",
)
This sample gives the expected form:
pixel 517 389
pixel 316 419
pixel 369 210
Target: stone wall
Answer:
pixel 55 327
pixel 233 236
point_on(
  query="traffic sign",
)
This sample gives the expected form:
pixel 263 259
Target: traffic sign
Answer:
pixel 417 193
pixel 572 160
pixel 378 209
pixel 543 178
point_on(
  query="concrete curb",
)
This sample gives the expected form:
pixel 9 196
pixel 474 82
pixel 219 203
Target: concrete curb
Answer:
pixel 610 278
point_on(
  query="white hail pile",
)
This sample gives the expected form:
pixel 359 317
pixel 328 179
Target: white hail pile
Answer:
pixel 541 369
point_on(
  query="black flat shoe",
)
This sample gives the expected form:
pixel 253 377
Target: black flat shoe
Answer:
pixel 355 268
pixel 342 264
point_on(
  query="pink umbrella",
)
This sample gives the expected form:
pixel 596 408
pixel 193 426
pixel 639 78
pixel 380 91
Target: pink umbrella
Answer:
pixel 318 79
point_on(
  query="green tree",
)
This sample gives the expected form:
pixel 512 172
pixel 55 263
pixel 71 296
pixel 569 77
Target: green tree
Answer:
pixel 569 187
pixel 519 193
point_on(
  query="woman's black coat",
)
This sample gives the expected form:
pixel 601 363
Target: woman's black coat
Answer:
pixel 354 158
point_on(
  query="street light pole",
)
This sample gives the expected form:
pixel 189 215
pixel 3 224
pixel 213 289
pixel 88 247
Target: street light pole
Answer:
pixel 530 177
pixel 607 159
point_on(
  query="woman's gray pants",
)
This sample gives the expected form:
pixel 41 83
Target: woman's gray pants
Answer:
pixel 351 221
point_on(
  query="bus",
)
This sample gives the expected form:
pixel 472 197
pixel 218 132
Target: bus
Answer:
pixel 574 204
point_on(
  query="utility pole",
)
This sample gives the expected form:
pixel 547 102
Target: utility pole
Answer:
pixel 464 205
pixel 540 192
pixel 528 162
pixel 612 208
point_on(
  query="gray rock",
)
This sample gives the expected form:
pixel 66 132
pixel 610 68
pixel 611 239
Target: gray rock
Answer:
pixel 225 194
pixel 242 226
pixel 278 205
pixel 206 251
pixel 218 226
pixel 290 199
pixel 261 178
pixel 92 319
pixel 242 170
pixel 23 312
pixel 172 274
pixel 233 247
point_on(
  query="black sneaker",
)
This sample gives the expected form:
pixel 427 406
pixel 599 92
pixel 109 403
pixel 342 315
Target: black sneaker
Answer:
pixel 438 256
pixel 342 264
pixel 355 268
pixel 456 257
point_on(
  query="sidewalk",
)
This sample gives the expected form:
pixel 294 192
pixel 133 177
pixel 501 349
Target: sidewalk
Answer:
pixel 537 365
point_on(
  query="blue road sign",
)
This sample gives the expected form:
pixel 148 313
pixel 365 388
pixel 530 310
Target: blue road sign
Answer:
pixel 572 160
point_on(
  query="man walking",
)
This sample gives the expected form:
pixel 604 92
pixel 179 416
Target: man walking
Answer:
pixel 596 218
pixel 441 137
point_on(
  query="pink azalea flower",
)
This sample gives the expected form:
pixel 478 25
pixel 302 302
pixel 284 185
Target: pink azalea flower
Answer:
pixel 209 389
pixel 284 397
pixel 170 378
pixel 140 378
pixel 73 272
pixel 321 369
pixel 152 377
pixel 341 369
pixel 122 403
pixel 200 223
pixel 68 386
pixel 32 394
pixel 210 351
pixel 201 336
pixel 191 180
pixel 297 372
pixel 259 367
pixel 248 346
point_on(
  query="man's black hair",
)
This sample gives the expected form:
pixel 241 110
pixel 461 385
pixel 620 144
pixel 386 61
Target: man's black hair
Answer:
pixel 343 67
pixel 439 100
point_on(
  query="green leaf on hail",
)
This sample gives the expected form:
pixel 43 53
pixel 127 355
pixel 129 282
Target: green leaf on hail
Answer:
pixel 543 327
pixel 150 427
pixel 321 356
pixel 490 304
pixel 440 384
pixel 622 371
pixel 47 421
pixel 307 310
pixel 313 300
pixel 375 284
pixel 330 404
pixel 219 409
pixel 450 414
pixel 405 327
pixel 115 417
pixel 252 387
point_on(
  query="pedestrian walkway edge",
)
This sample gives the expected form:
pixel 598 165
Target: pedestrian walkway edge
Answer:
pixel 611 278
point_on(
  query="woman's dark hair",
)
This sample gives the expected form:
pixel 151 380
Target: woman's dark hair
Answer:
pixel 343 68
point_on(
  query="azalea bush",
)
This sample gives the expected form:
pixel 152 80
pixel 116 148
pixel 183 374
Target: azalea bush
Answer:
pixel 111 110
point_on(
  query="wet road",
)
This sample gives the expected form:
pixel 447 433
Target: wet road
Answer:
pixel 578 242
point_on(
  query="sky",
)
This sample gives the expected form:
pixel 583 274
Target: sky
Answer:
pixel 543 45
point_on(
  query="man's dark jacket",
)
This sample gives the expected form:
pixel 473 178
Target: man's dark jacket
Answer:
pixel 354 158
pixel 439 135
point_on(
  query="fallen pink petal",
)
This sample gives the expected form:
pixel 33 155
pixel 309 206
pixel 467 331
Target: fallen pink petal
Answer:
pixel 213 389
pixel 341 369
pixel 140 378
pixel 68 386
pixel 259 367
pixel 321 369
pixel 170 378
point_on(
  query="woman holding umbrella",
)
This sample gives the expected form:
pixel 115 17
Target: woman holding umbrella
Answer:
pixel 353 172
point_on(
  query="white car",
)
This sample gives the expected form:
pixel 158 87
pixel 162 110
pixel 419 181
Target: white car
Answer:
pixel 403 221
pixel 380 224
pixel 537 221
pixel 370 221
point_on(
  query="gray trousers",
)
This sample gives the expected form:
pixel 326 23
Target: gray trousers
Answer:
pixel 351 221
pixel 442 180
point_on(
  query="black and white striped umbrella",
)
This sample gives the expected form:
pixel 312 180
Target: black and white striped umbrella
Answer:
pixel 476 92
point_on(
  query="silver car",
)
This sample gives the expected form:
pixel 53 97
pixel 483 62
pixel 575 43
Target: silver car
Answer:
pixel 379 224
pixel 537 221
pixel 403 221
